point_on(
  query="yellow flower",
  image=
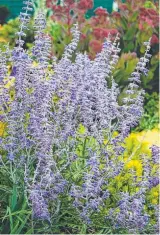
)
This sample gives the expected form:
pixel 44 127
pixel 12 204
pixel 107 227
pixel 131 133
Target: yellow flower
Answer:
pixel 35 64
pixel 118 177
pixel 10 83
pixel 136 165
pixel 155 194
pixel 132 142
pixel 2 128
pixel 154 201
pixel 125 158
pixel 81 129
pixel 3 40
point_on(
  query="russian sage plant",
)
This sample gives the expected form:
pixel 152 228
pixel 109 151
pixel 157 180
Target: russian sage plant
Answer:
pixel 52 101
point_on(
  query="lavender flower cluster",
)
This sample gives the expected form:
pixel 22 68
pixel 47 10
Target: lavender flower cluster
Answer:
pixel 51 101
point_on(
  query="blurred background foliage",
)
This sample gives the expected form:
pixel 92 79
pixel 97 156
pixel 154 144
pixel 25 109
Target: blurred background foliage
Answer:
pixel 135 21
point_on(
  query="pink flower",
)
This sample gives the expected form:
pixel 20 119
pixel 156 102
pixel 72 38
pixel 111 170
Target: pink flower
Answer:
pixel 100 11
pixel 123 7
pixel 134 54
pixel 141 27
pixel 95 20
pixel 116 14
pixel 85 4
pixel 150 22
pixel 96 46
pixel 105 33
pixel 101 33
pixel 113 31
pixel 154 39
pixel 83 36
pixel 57 8
pixel 98 33
pixel 142 9
pixel 151 12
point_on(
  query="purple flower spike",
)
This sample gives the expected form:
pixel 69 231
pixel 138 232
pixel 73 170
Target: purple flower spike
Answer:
pixel 11 157
pixel 155 153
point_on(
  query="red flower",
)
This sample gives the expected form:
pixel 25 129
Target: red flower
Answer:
pixel 141 27
pixel 85 4
pixel 116 14
pixel 123 7
pixel 100 11
pixel 94 20
pixel 143 18
pixel 98 33
pixel 154 39
pixel 69 2
pixel 151 12
pixel 113 31
pixel 50 3
pixel 142 9
pixel 57 8
pixel 83 36
pixel 150 22
pixel 156 21
pixel 96 46
pixel 105 33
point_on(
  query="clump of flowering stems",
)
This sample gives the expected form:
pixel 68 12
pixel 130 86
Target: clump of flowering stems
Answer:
pixel 51 102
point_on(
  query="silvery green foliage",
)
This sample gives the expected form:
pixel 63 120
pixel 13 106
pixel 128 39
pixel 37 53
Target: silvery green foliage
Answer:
pixel 50 103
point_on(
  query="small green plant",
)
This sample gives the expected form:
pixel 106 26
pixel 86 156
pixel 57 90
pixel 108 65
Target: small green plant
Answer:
pixel 150 118
pixel 7 33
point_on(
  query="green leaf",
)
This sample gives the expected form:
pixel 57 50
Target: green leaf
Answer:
pixel 130 33
pixel 131 66
pixel 15 228
pixel 134 16
pixel 30 231
pixel 147 79
pixel 5 188
pixel 129 47
pixel 18 231
pixel 154 61
pixel 118 75
pixel 10 218
pixel 14 198
pixel 142 49
pixel 84 148
pixel 124 23
pixel 17 212
pixel 83 229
